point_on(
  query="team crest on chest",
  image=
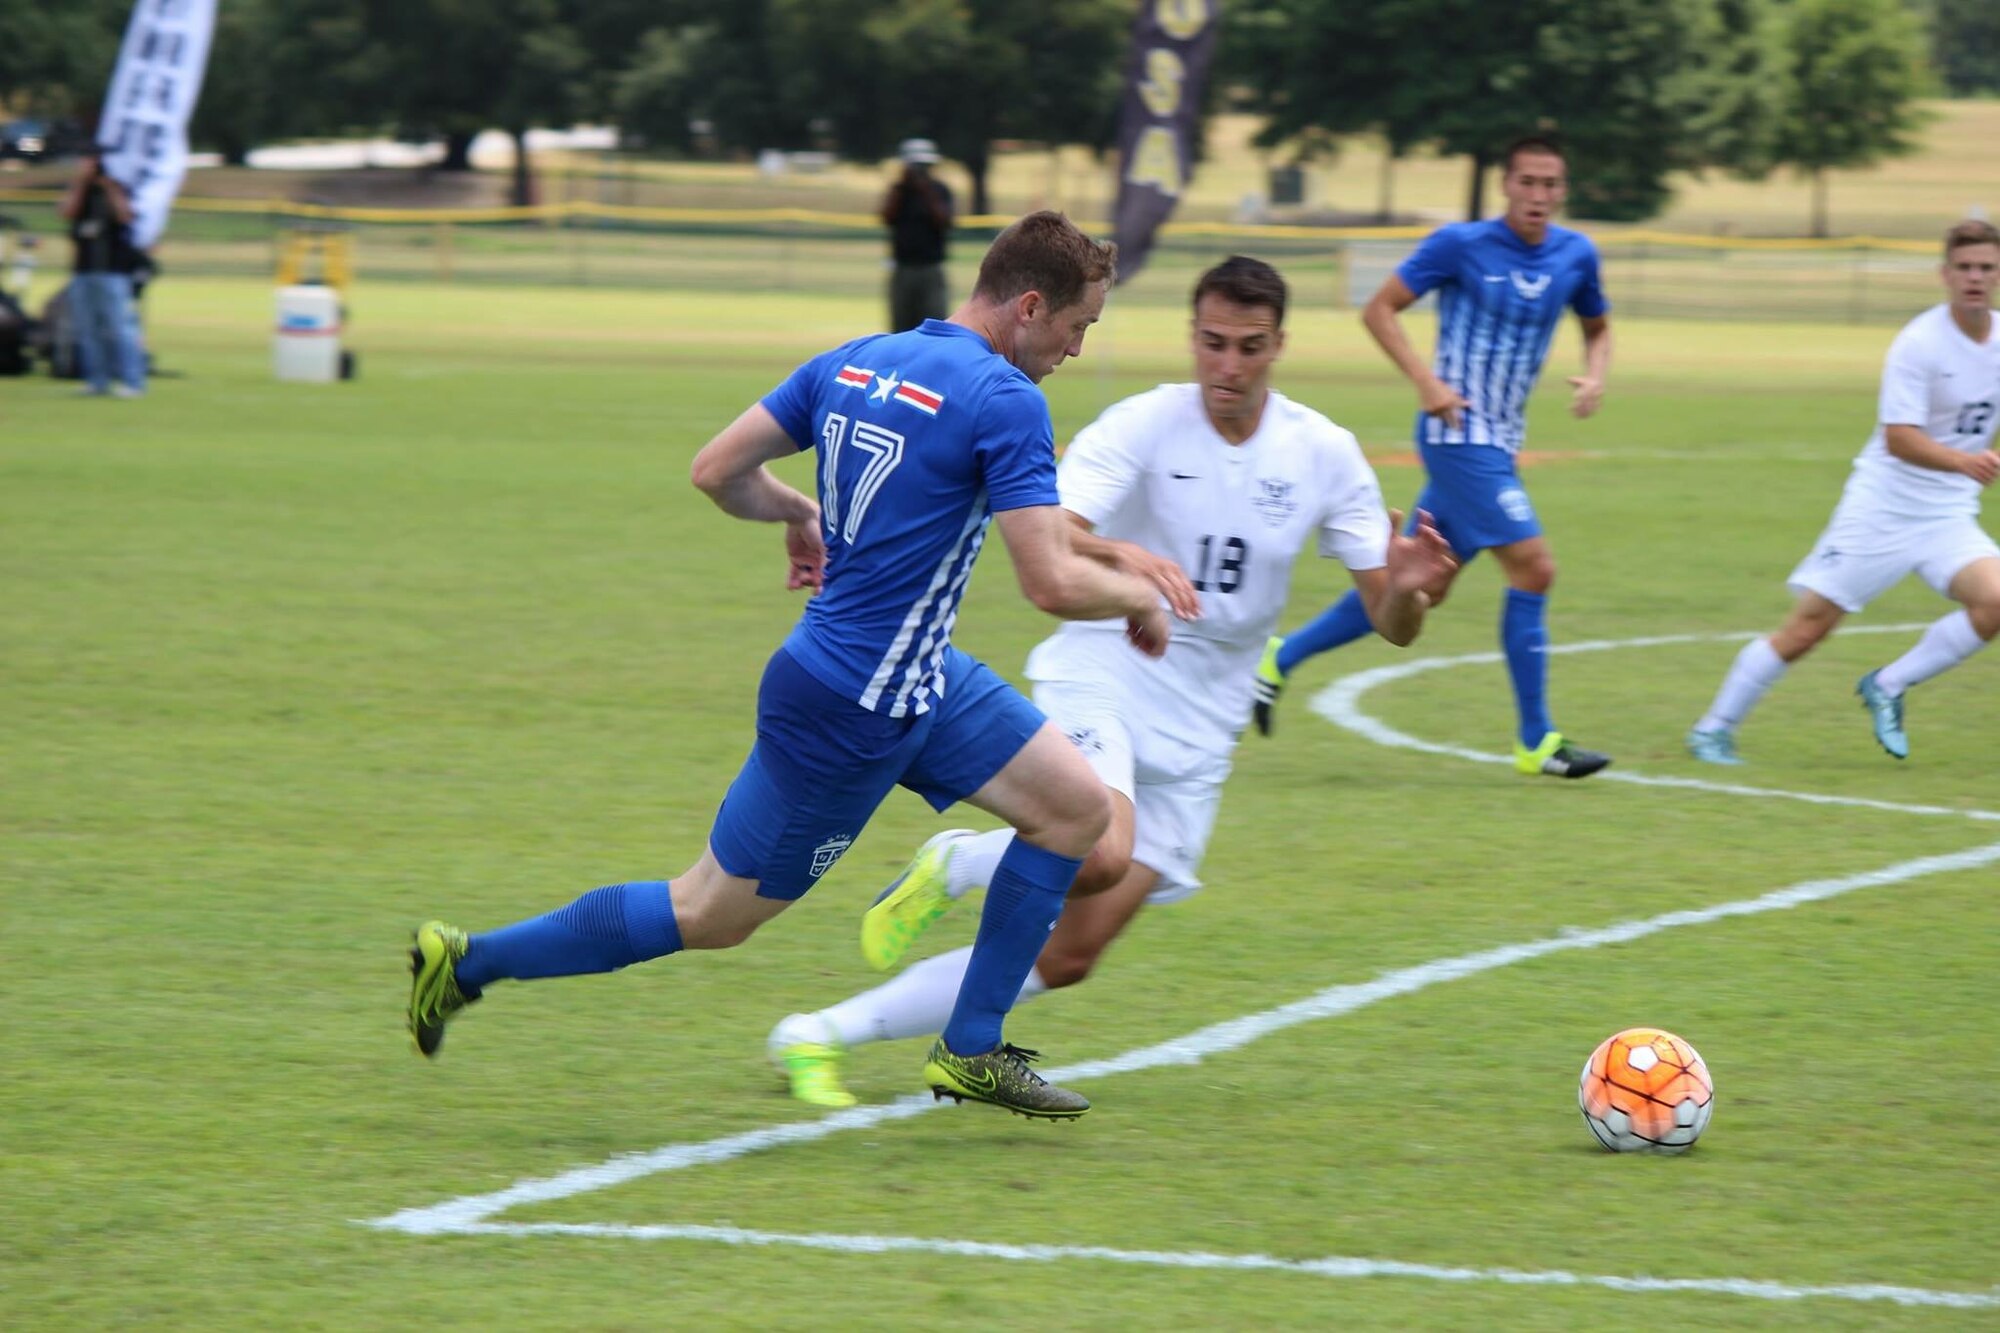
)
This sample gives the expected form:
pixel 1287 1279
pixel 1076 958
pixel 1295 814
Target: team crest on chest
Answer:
pixel 1275 501
pixel 1531 289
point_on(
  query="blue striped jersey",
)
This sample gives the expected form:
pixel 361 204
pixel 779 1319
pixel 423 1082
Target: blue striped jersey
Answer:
pixel 921 436
pixel 1499 302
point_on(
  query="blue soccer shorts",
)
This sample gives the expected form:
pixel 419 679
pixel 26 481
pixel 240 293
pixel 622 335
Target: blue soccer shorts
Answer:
pixel 1473 493
pixel 822 764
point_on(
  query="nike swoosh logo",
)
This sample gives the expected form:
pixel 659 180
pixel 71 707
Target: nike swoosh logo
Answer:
pixel 986 1084
pixel 1187 476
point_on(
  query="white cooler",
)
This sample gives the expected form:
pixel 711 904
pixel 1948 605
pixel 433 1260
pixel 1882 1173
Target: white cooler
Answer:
pixel 306 344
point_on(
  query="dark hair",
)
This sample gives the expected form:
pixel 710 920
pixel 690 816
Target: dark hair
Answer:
pixel 1533 143
pixel 1241 280
pixel 1044 252
pixel 1972 231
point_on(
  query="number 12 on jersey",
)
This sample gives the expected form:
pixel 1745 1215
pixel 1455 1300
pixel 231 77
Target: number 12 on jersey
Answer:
pixel 884 450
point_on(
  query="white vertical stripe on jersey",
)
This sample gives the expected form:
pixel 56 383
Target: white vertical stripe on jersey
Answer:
pixel 930 649
pixel 920 611
pixel 1451 356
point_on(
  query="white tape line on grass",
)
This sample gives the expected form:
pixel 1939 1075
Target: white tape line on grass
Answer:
pixel 458 1215
pixel 1340 704
pixel 1328 1267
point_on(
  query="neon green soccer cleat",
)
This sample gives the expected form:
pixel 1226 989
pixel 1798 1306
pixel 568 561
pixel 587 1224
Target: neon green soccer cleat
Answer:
pixel 911 905
pixel 1558 758
pixel 1000 1077
pixel 434 992
pixel 810 1057
pixel 1268 684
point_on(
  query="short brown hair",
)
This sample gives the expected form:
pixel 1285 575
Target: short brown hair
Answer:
pixel 1044 252
pixel 1972 231
pixel 1241 280
pixel 1533 143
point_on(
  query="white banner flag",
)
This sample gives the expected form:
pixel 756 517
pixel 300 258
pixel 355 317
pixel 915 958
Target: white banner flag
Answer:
pixel 143 128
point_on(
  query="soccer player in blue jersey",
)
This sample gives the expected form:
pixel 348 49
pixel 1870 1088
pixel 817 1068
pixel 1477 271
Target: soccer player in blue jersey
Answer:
pixel 923 437
pixel 1502 287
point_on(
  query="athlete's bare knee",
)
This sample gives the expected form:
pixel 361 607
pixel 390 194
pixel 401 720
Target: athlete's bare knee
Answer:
pixel 701 927
pixel 1074 828
pixel 1537 575
pixel 1102 869
pixel 1985 618
pixel 1065 967
pixel 1804 630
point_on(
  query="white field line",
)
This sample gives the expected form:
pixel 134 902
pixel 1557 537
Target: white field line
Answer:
pixel 1339 1267
pixel 456 1214
pixel 468 1215
pixel 1339 703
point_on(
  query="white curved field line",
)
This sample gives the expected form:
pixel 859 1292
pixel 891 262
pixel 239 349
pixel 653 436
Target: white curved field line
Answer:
pixel 470 1214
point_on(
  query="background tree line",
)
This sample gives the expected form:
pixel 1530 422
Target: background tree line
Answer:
pixel 1638 88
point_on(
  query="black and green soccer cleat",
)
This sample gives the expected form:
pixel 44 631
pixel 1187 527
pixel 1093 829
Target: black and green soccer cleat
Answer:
pixel 1000 1077
pixel 434 991
pixel 1267 685
pixel 1557 758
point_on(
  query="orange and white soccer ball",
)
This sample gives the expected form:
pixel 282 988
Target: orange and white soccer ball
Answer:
pixel 1645 1090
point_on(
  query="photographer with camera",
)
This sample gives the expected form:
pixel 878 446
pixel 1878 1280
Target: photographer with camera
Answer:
pixel 99 212
pixel 917 211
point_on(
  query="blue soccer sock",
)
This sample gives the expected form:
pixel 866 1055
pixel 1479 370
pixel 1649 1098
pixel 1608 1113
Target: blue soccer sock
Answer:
pixel 1342 623
pixel 602 931
pixel 1524 637
pixel 1022 904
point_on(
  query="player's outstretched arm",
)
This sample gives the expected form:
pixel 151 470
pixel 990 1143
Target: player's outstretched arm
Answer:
pixel 1168 578
pixel 1419 567
pixel 1588 388
pixel 1382 318
pixel 1066 585
pixel 1915 447
pixel 730 471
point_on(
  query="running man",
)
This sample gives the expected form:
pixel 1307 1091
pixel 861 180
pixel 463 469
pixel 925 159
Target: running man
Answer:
pixel 1502 286
pixel 1224 479
pixel 923 437
pixel 1911 506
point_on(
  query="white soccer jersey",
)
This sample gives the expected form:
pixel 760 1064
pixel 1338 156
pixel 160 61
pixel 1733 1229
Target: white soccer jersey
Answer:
pixel 1940 380
pixel 1153 471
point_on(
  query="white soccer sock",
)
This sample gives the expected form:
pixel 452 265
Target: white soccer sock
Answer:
pixel 1756 669
pixel 974 859
pixel 915 1003
pixel 1945 644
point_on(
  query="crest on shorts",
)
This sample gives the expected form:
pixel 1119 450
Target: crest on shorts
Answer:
pixel 1274 501
pixel 830 851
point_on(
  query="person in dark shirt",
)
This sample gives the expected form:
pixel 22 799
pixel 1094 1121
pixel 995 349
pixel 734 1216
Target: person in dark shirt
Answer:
pixel 99 212
pixel 917 211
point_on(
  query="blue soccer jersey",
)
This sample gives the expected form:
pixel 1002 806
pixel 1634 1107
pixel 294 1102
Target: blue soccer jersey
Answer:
pixel 921 436
pixel 1499 302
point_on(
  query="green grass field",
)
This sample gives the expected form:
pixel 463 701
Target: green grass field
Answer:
pixel 287 668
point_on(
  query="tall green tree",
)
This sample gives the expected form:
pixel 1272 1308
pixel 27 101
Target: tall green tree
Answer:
pixel 55 60
pixel 1637 88
pixel 858 76
pixel 1965 45
pixel 1850 74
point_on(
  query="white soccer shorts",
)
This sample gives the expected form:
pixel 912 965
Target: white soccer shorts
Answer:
pixel 1862 555
pixel 1175 786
